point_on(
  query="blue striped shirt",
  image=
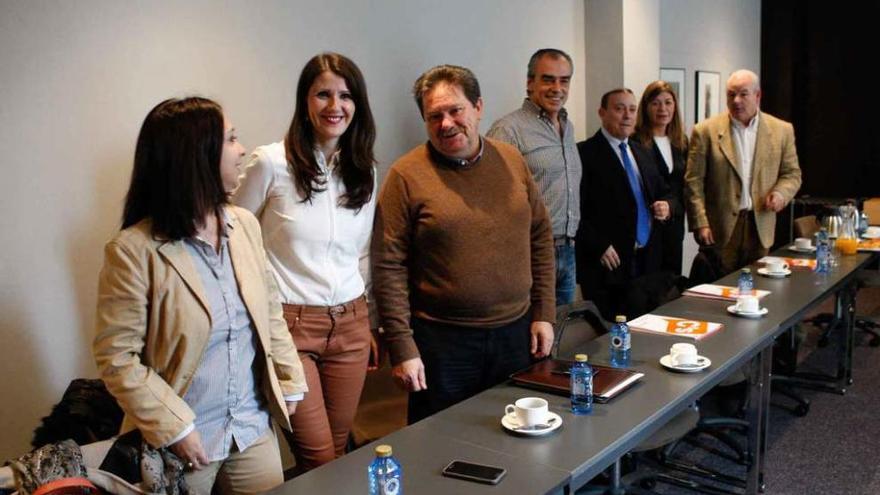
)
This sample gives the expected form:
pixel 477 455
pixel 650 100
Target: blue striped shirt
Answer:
pixel 224 392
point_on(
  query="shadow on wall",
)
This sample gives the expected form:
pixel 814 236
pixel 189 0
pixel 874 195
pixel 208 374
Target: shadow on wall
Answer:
pixel 28 389
pixel 85 246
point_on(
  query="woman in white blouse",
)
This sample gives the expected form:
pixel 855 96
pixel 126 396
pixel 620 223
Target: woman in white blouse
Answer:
pixel 314 194
pixel 659 128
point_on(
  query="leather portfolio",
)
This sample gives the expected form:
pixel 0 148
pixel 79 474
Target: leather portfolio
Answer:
pixel 552 375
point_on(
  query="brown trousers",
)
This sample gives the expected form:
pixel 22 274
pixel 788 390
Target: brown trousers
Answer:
pixel 744 246
pixel 334 346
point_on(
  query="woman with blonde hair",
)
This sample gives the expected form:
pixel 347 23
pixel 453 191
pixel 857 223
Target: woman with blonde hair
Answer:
pixel 659 129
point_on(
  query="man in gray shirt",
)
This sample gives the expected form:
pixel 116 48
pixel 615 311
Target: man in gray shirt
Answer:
pixel 540 129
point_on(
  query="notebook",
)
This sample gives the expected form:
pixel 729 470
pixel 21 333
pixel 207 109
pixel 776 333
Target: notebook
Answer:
pixel 676 327
pixel 721 292
pixel 551 375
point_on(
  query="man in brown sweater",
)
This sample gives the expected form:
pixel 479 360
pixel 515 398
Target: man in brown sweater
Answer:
pixel 463 268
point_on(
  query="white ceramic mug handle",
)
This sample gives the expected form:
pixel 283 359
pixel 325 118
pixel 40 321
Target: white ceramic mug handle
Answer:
pixel 785 266
pixel 509 409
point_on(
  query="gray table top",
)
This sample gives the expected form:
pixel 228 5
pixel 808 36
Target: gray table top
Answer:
pixel 586 445
pixel 422 455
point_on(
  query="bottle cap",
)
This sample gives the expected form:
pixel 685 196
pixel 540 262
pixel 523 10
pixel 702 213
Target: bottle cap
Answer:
pixel 581 358
pixel 620 319
pixel 747 270
pixel 383 450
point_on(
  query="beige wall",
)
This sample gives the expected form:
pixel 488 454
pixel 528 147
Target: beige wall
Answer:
pixel 77 78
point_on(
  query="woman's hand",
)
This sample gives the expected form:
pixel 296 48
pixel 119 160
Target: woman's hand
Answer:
pixel 375 360
pixel 190 451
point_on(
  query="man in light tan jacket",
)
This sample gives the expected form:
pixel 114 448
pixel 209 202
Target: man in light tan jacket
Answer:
pixel 742 169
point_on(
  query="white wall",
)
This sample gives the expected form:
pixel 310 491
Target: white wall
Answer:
pixel 641 44
pixel 719 36
pixel 77 78
pixel 604 35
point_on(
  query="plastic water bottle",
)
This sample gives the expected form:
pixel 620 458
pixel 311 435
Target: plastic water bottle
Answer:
pixel 385 473
pixel 620 343
pixel 581 385
pixel 863 223
pixel 745 284
pixel 823 252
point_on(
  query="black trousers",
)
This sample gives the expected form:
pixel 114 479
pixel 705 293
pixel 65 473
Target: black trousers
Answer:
pixel 463 361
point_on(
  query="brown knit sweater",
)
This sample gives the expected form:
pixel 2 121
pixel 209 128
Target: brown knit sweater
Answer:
pixel 469 246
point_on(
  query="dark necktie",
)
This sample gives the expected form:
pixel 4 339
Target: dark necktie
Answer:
pixel 643 223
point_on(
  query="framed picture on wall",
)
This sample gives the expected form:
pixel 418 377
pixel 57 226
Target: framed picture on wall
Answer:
pixel 708 92
pixel 675 78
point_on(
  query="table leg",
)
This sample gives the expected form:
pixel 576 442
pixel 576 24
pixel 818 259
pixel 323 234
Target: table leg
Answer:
pixel 844 325
pixel 757 416
pixel 851 291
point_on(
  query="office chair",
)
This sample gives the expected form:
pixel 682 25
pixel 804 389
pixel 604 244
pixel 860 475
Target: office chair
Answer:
pixel 579 323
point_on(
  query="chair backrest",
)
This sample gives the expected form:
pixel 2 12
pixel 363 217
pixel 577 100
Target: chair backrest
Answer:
pixel 706 267
pixel 575 324
pixel 806 226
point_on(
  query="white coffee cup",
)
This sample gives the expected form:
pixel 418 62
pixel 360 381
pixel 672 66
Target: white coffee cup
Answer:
pixel 683 353
pixel 803 243
pixel 873 231
pixel 529 411
pixel 747 304
pixel 777 266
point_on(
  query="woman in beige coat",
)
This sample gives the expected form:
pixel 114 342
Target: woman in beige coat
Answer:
pixel 190 335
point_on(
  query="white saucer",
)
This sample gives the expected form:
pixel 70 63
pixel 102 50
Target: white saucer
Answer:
pixel 811 249
pixel 875 235
pixel 732 310
pixel 702 363
pixel 767 273
pixel 510 423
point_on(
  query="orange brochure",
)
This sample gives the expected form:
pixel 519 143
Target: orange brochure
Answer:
pixel 678 327
pixel 792 262
pixel 869 244
pixel 720 292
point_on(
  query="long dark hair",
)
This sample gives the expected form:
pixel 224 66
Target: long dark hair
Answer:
pixel 355 146
pixel 674 130
pixel 176 178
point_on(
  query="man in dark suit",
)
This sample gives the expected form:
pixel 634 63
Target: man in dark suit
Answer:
pixel 622 195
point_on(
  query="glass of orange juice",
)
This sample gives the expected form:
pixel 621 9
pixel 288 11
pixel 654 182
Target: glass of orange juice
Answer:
pixel 848 245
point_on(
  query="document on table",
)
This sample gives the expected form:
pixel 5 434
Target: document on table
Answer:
pixel 869 244
pixel 792 262
pixel 721 292
pixel 677 327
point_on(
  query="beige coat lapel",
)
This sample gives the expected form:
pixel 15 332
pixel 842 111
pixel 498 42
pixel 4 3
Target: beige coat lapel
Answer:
pixel 178 257
pixel 728 149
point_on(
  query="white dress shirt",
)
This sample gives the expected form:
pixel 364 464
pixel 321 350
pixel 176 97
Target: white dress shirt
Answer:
pixel 665 147
pixel 318 250
pixel 744 138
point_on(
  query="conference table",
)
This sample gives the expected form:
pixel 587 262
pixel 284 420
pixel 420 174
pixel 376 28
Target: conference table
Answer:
pixel 584 446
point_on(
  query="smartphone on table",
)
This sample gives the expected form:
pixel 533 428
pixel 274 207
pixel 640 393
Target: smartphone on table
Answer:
pixel 481 473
